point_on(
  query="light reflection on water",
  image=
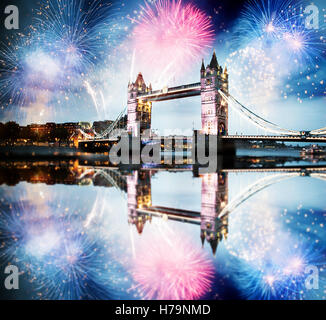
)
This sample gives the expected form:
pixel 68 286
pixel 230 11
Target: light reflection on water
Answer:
pixel 107 236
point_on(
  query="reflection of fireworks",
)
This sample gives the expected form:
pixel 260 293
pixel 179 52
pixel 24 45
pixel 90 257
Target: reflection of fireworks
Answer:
pixel 251 234
pixel 272 263
pixel 62 259
pixel 172 271
pixel 70 266
pixel 283 275
pixel 170 34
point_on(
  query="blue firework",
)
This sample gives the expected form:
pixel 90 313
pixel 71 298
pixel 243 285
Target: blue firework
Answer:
pixel 67 40
pixel 279 26
pixel 283 274
pixel 57 255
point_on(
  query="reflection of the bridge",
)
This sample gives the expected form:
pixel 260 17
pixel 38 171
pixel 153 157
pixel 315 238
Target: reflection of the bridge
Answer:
pixel 214 198
pixel 215 204
pixel 136 184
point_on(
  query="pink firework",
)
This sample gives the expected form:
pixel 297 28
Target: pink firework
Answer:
pixel 170 35
pixel 177 271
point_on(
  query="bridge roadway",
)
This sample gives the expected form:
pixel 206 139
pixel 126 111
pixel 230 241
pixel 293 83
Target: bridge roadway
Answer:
pixel 172 214
pixel 165 94
pixel 184 168
pixel 194 89
pixel 285 138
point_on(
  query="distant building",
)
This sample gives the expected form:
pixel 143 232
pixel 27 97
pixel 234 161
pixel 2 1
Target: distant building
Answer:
pixel 70 126
pixel 41 129
pixel 85 125
pixel 123 122
pixel 101 126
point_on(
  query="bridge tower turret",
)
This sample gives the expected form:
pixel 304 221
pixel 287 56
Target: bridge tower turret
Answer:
pixel 214 110
pixel 139 197
pixel 214 199
pixel 139 111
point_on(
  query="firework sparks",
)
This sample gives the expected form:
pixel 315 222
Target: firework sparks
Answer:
pixel 264 19
pixel 251 236
pixel 62 49
pixel 169 35
pixel 61 258
pixel 279 25
pixel 78 35
pixel 281 276
pixel 254 80
pixel 172 271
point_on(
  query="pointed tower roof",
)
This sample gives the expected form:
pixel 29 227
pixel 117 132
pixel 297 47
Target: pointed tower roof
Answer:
pixel 140 80
pixel 225 70
pixel 202 237
pixel 202 66
pixel 214 63
pixel 214 243
pixel 140 227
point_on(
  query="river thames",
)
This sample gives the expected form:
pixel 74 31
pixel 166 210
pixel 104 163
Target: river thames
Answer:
pixel 78 231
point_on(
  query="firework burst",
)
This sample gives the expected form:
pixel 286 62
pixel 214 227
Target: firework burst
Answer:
pixel 169 35
pixel 64 45
pixel 264 19
pixel 59 257
pixel 75 31
pixel 169 271
pixel 283 275
pixel 279 27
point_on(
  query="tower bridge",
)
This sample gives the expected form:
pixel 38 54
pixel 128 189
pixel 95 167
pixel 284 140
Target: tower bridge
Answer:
pixel 214 109
pixel 215 103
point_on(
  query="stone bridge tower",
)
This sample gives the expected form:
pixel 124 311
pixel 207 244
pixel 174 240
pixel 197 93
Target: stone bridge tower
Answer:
pixel 139 112
pixel 214 197
pixel 214 110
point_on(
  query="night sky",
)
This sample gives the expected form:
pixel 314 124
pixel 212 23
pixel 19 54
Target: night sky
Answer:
pixel 268 77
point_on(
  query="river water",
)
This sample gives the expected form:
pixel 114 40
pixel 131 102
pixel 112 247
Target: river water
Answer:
pixel 87 232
